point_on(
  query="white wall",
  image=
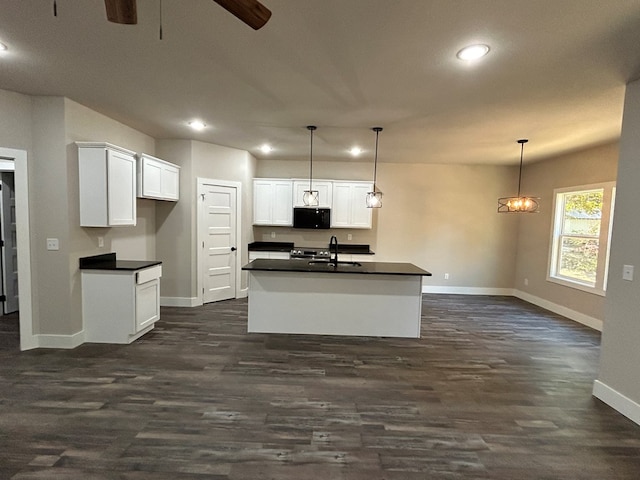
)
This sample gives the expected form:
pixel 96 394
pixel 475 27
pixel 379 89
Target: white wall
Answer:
pixel 83 124
pixel 177 226
pixel 619 379
pixel 440 217
pixel 594 165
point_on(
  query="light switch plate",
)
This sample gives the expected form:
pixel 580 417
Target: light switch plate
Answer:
pixel 627 272
pixel 53 244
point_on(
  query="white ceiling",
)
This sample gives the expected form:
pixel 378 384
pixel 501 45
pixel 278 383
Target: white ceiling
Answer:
pixel 555 74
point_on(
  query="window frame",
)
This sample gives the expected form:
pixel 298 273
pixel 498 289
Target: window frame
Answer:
pixel 604 239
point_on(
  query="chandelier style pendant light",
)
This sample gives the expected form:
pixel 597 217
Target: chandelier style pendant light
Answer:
pixel 374 198
pixel 519 204
pixel 310 197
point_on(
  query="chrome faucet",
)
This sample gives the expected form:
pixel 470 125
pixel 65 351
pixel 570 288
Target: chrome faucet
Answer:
pixel 333 249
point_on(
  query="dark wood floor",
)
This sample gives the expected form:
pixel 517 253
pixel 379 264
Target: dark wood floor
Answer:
pixel 494 389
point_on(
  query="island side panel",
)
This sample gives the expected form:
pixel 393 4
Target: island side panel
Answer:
pixel 335 304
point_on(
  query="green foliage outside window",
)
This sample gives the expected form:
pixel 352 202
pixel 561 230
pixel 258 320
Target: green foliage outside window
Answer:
pixel 581 229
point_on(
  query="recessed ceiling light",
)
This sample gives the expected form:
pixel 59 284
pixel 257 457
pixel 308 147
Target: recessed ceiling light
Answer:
pixel 197 125
pixel 355 151
pixel 473 52
pixel 266 148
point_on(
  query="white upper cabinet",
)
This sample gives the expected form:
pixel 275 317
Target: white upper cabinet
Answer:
pixel 107 180
pixel 349 208
pixel 158 179
pixel 273 202
pixel 324 188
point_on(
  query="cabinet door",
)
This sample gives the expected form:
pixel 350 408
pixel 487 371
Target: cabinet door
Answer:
pixel 341 208
pixel 170 181
pixel 349 208
pixel 272 202
pixel 151 177
pixel 282 212
pixel 121 188
pixel 324 188
pixel 147 304
pixel 360 214
pixel 262 202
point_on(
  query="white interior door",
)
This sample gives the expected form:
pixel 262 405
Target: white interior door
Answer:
pixel 9 244
pixel 218 241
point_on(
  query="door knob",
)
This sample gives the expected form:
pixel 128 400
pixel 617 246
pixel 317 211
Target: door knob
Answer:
pixel 233 249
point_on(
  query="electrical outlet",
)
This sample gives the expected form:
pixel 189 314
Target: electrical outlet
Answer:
pixel 446 276
pixel 53 244
pixel 349 236
pixel 273 234
pixel 627 272
pixel 526 282
pixel 100 241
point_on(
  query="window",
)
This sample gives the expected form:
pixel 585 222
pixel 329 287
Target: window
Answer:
pixel 581 234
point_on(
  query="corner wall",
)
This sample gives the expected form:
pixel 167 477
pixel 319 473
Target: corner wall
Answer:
pixel 594 165
pixel 177 225
pixel 618 382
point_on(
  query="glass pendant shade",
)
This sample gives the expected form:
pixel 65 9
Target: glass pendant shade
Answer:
pixel 310 198
pixel 519 203
pixel 374 199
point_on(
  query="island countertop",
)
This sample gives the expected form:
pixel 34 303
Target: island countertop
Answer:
pixel 108 261
pixel 303 265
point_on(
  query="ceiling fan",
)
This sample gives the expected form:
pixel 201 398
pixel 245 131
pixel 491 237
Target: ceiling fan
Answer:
pixel 251 12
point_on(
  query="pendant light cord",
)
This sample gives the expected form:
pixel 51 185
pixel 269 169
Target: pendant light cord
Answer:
pixel 521 142
pixel 311 128
pixel 160 19
pixel 375 158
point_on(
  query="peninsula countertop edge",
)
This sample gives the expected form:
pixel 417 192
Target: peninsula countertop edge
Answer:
pixel 362 268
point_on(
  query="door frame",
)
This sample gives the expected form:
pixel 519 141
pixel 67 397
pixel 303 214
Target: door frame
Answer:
pixel 200 234
pixel 25 301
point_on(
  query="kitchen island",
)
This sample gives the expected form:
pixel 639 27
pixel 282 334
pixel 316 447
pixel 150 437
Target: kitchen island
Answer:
pixel 324 298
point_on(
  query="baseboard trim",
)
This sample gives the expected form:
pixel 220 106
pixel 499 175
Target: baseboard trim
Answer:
pixel 244 293
pixel 180 302
pixel 617 401
pixel 586 320
pixel 467 290
pixel 60 341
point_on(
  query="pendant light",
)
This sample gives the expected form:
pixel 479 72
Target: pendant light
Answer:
pixel 310 197
pixel 519 204
pixel 374 198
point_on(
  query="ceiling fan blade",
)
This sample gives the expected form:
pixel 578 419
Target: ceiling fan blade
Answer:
pixel 121 11
pixel 251 12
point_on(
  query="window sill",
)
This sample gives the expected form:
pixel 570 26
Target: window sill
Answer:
pixel 577 286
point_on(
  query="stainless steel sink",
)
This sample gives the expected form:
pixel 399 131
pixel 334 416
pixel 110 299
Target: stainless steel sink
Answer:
pixel 329 263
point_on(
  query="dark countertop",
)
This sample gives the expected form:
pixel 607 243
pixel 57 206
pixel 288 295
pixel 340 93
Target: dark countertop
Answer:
pixel 347 248
pixel 354 248
pixel 271 246
pixel 303 266
pixel 108 261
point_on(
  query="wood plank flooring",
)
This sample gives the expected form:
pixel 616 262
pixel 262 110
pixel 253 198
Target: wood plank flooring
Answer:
pixel 495 389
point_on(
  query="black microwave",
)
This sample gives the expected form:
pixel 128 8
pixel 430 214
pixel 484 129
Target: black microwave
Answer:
pixel 311 217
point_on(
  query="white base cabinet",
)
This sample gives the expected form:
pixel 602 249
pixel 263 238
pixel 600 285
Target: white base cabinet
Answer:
pixel 119 306
pixel 107 177
pixel 158 179
pixel 254 255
